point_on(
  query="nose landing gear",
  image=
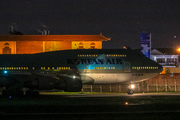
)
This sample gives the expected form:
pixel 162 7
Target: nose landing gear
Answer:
pixel 130 90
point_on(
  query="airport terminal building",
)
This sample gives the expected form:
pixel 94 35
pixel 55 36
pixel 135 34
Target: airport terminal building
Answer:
pixel 30 44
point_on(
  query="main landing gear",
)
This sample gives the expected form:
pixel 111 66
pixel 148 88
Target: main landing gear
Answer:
pixel 130 90
pixel 10 93
pixel 19 93
pixel 32 93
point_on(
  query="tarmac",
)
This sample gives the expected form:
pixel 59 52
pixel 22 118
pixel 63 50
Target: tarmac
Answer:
pixel 55 105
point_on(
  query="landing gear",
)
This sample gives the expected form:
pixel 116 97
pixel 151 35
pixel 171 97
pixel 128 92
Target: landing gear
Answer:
pixel 32 93
pixel 130 91
pixel 9 93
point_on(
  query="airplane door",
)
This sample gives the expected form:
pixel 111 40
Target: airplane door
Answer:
pixel 127 67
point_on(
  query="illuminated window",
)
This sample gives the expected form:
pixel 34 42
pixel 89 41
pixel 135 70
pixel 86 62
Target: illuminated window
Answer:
pixel 53 68
pixel 124 55
pixel 113 67
pixel 33 68
pixel 26 68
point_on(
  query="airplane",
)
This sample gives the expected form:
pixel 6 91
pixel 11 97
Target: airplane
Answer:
pixel 68 70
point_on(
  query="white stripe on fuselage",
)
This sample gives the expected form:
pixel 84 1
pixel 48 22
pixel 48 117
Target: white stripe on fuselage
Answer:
pixel 112 78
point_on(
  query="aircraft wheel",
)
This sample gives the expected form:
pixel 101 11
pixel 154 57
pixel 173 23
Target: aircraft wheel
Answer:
pixel 35 93
pixel 19 93
pixel 29 93
pixel 32 93
pixel 130 91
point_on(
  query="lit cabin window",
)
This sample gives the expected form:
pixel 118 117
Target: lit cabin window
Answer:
pixel 26 68
pixel 7 68
pixel 48 68
pixel 33 68
pixel 53 68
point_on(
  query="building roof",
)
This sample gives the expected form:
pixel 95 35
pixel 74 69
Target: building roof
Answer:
pixel 53 38
pixel 165 51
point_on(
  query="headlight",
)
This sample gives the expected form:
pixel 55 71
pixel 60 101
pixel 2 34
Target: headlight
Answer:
pixel 132 86
pixel 74 77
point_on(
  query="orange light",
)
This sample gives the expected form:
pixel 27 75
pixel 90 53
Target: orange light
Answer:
pixel 126 103
pixel 178 49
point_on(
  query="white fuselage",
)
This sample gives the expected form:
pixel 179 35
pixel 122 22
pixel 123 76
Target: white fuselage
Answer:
pixel 113 78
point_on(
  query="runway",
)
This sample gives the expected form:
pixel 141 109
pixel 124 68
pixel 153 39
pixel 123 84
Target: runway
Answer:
pixel 109 94
pixel 93 106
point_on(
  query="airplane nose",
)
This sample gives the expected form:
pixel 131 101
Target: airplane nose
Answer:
pixel 160 68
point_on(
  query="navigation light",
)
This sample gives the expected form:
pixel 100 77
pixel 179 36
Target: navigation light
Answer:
pixel 5 72
pixel 74 77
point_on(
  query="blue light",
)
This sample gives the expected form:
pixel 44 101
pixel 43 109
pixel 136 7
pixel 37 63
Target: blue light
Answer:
pixel 5 72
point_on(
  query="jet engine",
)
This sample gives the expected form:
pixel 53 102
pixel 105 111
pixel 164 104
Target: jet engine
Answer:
pixel 67 83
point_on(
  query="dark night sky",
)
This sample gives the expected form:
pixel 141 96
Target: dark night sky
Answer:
pixel 121 20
